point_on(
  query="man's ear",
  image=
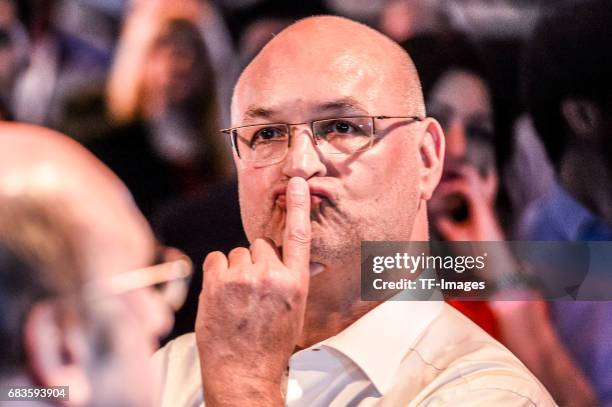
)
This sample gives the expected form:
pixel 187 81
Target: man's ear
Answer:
pixel 582 116
pixel 431 149
pixel 56 349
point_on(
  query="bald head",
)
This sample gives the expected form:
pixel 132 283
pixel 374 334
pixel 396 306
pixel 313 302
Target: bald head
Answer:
pixel 324 49
pixel 333 68
pixel 51 169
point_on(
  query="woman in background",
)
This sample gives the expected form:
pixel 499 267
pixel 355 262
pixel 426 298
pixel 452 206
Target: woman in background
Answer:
pixel 161 99
pixel 458 96
pixel 463 208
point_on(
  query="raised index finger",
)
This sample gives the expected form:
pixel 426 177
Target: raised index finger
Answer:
pixel 296 238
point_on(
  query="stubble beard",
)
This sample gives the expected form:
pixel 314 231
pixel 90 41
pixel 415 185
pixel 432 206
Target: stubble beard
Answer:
pixel 336 238
pixel 336 233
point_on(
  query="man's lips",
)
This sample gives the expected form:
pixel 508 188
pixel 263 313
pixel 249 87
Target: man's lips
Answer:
pixel 317 195
pixel 315 200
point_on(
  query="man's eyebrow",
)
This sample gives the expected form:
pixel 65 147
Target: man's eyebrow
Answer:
pixel 257 112
pixel 347 104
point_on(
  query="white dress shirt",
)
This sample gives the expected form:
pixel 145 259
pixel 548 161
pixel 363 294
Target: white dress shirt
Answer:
pixel 402 353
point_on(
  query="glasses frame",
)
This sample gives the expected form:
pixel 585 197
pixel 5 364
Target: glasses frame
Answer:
pixel 232 131
pixel 175 271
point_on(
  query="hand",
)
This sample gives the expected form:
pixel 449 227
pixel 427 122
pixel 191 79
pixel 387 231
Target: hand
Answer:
pixel 528 331
pixel 478 195
pixel 251 311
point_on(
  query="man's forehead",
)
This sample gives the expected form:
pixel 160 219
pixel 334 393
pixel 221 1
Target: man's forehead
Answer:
pixel 350 85
pixel 317 61
pixel 307 108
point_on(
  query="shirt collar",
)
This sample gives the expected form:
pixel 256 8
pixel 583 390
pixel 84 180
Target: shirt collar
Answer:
pixel 381 339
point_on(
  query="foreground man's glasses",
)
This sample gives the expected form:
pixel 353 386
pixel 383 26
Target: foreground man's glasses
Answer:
pixel 265 144
pixel 170 277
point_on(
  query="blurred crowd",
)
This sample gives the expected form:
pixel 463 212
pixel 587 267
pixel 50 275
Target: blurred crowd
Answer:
pixel 522 90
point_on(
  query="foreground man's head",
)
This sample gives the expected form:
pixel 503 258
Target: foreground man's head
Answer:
pixel 68 224
pixel 50 168
pixel 308 73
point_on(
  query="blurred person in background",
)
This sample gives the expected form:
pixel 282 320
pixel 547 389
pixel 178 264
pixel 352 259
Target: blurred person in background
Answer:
pixel 257 34
pixel 69 54
pixel 463 207
pixel 528 157
pixel 458 96
pixel 5 113
pixel 404 19
pixel 568 91
pixel 161 94
pixel 8 69
pixel 211 20
pixel 13 54
pixel 79 307
pixel 256 24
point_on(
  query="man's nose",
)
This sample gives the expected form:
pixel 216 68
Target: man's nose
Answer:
pixel 303 158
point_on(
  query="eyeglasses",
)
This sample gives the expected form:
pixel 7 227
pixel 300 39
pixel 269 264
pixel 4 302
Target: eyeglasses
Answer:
pixel 266 144
pixel 169 277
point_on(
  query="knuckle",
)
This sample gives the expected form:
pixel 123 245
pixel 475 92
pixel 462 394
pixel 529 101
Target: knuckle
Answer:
pixel 258 244
pixel 268 281
pixel 295 291
pixel 269 265
pixel 259 241
pixel 212 256
pixel 242 284
pixel 292 287
pixel 297 203
pixel 287 282
pixel 299 235
pixel 274 280
pixel 238 251
pixel 213 262
pixel 298 296
pixel 269 241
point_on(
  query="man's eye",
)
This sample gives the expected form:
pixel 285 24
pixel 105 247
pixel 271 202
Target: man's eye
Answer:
pixel 342 127
pixel 480 132
pixel 267 134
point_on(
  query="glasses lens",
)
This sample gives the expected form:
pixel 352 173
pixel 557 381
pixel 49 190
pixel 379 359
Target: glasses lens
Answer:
pixel 262 143
pixel 343 135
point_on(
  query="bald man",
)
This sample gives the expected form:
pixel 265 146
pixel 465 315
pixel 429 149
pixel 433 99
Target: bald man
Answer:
pixel 68 231
pixel 332 148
